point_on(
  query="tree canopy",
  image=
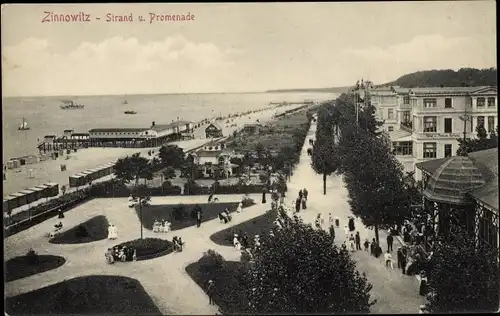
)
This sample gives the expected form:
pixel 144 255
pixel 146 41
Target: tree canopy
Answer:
pixel 172 155
pixel 463 276
pixel 481 142
pixel 448 78
pixel 299 271
pixel 133 168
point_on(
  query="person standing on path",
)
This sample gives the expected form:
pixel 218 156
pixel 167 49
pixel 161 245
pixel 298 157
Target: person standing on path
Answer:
pixel 263 196
pixel 390 241
pixel 297 204
pixel 198 215
pixel 332 233
pixel 304 205
pixel 211 292
pixel 306 193
pixel 300 194
pixel 358 241
pixel 330 219
pixel 351 224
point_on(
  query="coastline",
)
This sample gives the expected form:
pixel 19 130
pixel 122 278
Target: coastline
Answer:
pixel 49 170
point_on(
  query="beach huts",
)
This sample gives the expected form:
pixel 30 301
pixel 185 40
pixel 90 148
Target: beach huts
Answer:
pixel 90 175
pixel 28 196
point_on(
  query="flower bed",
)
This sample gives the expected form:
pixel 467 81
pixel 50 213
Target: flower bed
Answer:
pixel 149 248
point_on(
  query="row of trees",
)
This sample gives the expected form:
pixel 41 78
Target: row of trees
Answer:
pixel 374 178
pixel 463 276
pixel 481 142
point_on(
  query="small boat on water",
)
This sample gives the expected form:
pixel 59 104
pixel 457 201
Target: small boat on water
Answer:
pixel 130 112
pixel 125 102
pixel 24 125
pixel 70 105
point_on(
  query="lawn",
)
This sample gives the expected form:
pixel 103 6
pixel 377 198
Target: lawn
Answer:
pixel 256 226
pixel 94 294
pixel 229 288
pixel 20 267
pixel 209 212
pixel 96 227
pixel 273 136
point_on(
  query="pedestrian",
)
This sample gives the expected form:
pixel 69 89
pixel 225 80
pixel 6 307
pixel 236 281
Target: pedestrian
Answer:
pixel 318 221
pixel 367 243
pixel 297 204
pixel 332 233
pixel 304 205
pixel 306 193
pixel 210 197
pixel 390 241
pixel 388 259
pixel 358 241
pixel 263 196
pixel 198 215
pixel 300 194
pixel 400 258
pixel 211 292
pixel 337 221
pixel 351 224
pixel 351 242
pixel 423 284
pixel 404 260
pixel 330 219
pixel 346 232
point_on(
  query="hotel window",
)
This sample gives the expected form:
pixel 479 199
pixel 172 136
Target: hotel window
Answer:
pixel 447 125
pixel 406 117
pixel 430 150
pixel 480 102
pixel 491 123
pixel 447 150
pixel 480 121
pixel 447 103
pixel 390 114
pixel 406 99
pixel 390 128
pixel 403 148
pixel 430 103
pixel 491 102
pixel 430 124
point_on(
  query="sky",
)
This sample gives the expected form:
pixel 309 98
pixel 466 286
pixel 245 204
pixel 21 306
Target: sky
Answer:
pixel 230 47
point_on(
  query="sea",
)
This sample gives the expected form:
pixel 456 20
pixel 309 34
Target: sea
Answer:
pixel 45 117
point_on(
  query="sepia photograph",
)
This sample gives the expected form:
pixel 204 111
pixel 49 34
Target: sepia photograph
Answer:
pixel 250 158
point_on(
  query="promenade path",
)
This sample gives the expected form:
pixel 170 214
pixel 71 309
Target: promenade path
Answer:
pixel 395 292
pixel 164 278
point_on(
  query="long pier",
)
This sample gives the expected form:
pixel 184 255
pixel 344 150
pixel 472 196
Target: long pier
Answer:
pixel 291 103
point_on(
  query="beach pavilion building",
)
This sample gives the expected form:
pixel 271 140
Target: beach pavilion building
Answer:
pixel 153 136
pixel 464 189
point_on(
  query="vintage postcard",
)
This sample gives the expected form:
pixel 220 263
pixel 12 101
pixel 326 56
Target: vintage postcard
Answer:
pixel 250 158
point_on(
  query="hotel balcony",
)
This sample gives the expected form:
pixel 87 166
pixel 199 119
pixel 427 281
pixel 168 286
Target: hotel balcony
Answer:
pixel 406 126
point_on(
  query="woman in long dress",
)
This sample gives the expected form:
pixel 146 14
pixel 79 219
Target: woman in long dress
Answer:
pixel 240 208
pixel 236 243
pixel 114 232
pixel 110 232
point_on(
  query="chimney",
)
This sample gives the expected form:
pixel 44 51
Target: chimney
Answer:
pixel 153 124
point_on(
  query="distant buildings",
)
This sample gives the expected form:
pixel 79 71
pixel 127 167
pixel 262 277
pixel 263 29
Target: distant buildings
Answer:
pixel 214 158
pixel 213 130
pixel 424 123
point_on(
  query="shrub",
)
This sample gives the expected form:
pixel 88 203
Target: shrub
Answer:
pixel 247 202
pixel 211 262
pixel 32 257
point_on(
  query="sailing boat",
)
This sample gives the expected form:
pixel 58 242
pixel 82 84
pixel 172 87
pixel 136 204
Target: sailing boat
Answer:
pixel 24 125
pixel 125 102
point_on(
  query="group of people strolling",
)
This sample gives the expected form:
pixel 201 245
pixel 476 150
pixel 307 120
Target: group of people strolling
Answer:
pixel 120 253
pixel 224 216
pixel 301 201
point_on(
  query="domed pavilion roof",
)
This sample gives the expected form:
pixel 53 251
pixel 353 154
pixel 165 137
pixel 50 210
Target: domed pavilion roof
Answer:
pixel 455 177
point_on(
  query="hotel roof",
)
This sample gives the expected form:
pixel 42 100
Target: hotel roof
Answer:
pixel 444 90
pixel 116 130
pixel 214 124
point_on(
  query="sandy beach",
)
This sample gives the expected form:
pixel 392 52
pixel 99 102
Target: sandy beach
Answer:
pixel 49 171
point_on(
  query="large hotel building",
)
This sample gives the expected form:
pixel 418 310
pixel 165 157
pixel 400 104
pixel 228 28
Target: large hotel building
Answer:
pixel 424 123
